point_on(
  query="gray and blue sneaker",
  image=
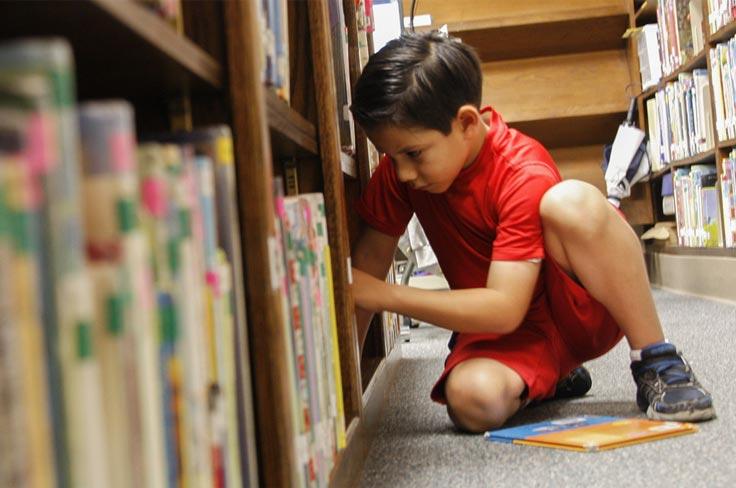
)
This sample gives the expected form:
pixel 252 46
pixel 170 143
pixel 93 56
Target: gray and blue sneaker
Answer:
pixel 667 388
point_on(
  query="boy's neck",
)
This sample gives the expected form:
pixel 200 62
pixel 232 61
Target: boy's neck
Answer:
pixel 477 143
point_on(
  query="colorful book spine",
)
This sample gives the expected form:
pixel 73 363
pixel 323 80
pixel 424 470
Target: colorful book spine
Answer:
pixel 155 213
pixel 68 308
pixel 317 217
pixel 281 281
pixel 20 212
pixel 118 255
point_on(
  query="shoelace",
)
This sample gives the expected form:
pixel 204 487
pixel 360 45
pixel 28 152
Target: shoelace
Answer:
pixel 672 370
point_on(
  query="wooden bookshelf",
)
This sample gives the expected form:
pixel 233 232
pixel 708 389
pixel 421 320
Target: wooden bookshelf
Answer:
pixel 701 60
pixel 124 50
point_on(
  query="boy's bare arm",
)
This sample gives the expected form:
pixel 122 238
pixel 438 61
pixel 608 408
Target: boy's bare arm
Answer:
pixel 498 308
pixel 372 254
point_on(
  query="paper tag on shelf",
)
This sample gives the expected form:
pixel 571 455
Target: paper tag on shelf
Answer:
pixel 350 271
pixel 630 32
pixel 273 257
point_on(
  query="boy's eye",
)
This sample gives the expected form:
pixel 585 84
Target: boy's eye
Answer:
pixel 413 154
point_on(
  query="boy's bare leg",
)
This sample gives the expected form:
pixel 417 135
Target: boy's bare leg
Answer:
pixel 595 245
pixel 482 394
pixel 591 242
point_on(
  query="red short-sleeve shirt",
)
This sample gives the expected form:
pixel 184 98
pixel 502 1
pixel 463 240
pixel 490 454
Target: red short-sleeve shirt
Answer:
pixel 491 211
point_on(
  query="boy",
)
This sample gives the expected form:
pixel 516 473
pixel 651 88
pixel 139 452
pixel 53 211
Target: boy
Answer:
pixel 545 274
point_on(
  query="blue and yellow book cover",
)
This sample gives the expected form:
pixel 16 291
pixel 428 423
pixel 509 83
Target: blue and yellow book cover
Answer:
pixel 590 433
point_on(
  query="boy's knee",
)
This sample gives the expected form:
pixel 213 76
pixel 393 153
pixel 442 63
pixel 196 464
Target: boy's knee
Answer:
pixel 478 400
pixel 572 206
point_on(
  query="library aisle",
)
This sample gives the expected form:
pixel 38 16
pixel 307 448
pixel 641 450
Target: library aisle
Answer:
pixel 417 445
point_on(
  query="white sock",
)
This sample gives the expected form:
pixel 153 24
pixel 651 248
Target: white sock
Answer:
pixel 635 354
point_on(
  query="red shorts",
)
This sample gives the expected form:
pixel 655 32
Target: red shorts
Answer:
pixel 561 331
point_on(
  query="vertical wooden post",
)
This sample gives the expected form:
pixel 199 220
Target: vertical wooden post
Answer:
pixel 276 445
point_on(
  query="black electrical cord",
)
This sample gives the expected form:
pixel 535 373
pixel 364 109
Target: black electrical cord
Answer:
pixel 411 14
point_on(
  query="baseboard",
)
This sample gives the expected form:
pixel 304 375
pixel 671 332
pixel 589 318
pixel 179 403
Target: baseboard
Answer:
pixel 362 430
pixel 706 276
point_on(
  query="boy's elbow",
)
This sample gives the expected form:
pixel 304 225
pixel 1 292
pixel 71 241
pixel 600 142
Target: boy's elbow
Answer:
pixel 510 326
pixel 511 321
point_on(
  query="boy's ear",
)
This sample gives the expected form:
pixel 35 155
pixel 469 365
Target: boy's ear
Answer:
pixel 469 118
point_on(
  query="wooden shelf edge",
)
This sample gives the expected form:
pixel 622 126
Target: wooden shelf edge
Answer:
pixel 697 159
pixel 694 251
pixel 658 174
pixel 698 61
pixel 645 13
pixel 163 37
pixel 361 431
pixel 573 130
pixel 539 35
pixel 534 19
pixel 723 34
pixel 727 144
pixel 290 124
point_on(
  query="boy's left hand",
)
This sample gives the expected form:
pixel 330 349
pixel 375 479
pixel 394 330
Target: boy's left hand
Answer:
pixel 369 292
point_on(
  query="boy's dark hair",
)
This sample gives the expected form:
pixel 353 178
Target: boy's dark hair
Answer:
pixel 418 80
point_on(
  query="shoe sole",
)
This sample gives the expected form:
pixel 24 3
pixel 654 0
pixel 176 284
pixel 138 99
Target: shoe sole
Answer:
pixel 685 416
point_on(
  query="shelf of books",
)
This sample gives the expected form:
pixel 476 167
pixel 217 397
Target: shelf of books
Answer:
pixel 168 316
pixel 689 114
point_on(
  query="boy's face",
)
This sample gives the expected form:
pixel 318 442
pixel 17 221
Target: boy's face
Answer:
pixel 426 159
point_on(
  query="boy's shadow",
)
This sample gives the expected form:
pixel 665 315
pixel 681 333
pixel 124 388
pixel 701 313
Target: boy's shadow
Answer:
pixel 558 409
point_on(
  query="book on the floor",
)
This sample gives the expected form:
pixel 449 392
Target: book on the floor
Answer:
pixel 590 433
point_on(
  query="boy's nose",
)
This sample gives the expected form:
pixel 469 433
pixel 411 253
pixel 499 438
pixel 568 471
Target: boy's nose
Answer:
pixel 406 174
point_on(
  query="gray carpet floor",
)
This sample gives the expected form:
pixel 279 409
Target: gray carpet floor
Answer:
pixel 416 444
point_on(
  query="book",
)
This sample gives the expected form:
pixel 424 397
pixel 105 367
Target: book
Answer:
pixel 125 327
pixel 590 433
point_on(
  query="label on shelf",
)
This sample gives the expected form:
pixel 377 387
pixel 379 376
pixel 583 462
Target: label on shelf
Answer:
pixel 273 260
